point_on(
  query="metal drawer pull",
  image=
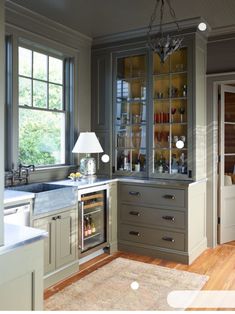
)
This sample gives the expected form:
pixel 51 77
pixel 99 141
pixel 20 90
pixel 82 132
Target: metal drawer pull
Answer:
pixel 135 233
pixel 134 193
pixel 168 239
pixel 133 213
pixel 171 218
pixel 169 197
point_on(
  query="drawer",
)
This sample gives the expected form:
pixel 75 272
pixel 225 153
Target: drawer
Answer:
pixel 152 195
pixel 161 238
pixel 152 216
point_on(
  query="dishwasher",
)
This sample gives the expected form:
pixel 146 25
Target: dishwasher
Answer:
pixel 17 214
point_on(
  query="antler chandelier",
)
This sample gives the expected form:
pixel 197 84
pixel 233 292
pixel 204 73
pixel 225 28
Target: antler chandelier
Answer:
pixel 163 45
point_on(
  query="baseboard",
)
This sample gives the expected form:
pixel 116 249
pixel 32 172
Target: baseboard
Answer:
pixel 176 256
pixel 61 274
pixel 197 250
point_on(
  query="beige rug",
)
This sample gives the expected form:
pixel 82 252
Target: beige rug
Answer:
pixel 109 288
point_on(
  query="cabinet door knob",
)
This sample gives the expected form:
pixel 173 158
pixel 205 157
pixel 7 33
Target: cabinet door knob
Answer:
pixel 169 239
pixel 54 218
pixel 135 233
pixel 169 197
pixel 58 217
pixel 134 213
pixel 171 218
pixel 133 193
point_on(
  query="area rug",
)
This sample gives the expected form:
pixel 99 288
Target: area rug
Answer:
pixel 109 288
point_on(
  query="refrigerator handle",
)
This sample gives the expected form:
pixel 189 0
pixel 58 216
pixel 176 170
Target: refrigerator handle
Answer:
pixel 82 225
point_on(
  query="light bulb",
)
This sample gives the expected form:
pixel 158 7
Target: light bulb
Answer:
pixel 105 158
pixel 179 144
pixel 202 26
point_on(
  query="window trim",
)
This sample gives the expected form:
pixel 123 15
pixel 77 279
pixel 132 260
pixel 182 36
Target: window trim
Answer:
pixel 70 59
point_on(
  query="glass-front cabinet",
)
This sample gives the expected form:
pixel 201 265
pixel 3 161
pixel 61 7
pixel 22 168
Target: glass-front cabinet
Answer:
pixel 151 107
pixel 130 114
pixel 169 119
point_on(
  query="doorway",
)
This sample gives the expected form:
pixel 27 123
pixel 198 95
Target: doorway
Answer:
pixel 226 163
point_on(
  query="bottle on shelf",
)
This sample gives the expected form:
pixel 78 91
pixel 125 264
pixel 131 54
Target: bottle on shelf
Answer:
pixel 92 225
pixel 137 165
pixel 85 228
pixel 89 232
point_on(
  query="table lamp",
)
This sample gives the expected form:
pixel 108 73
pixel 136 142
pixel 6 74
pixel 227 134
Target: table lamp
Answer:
pixel 87 143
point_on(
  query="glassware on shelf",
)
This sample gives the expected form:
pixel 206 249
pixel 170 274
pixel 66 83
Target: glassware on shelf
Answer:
pixel 173 111
pixel 184 91
pixel 181 112
pixel 174 165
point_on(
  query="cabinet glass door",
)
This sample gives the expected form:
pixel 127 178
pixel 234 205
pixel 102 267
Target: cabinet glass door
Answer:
pixel 93 219
pixel 130 119
pixel 170 103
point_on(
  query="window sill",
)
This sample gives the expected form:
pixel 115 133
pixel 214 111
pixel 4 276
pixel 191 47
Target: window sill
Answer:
pixel 54 168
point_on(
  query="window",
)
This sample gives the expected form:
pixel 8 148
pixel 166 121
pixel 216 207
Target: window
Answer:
pixel 42 109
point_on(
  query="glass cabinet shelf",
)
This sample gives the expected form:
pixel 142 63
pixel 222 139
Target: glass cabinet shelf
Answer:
pixel 170 120
pixel 148 123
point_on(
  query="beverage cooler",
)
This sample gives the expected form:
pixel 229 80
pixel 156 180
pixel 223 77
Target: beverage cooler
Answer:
pixel 93 219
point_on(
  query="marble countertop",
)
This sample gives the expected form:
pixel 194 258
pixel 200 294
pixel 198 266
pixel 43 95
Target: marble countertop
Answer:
pixel 11 196
pixel 15 196
pixel 16 236
pixel 93 181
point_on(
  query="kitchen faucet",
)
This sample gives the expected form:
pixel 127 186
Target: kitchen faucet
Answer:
pixel 26 169
pixel 22 173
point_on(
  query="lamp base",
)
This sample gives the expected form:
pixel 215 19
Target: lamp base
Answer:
pixel 88 166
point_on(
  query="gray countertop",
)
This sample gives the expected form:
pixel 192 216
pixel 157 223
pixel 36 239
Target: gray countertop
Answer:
pixel 93 181
pixel 16 236
pixel 15 196
pixel 11 196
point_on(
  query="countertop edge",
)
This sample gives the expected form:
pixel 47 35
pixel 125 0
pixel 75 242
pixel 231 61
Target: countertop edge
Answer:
pixel 18 236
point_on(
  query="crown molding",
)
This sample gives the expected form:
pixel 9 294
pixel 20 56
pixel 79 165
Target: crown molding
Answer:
pixel 21 17
pixel 222 32
pixel 141 32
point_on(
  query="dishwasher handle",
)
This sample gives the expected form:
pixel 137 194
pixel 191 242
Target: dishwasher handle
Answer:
pixel 11 211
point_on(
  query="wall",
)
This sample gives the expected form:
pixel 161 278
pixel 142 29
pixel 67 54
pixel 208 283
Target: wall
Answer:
pixel 220 54
pixel 2 100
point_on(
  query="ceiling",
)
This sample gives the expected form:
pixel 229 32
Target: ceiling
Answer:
pixel 96 18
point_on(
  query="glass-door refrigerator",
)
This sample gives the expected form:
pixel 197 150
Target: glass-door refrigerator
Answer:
pixel 93 219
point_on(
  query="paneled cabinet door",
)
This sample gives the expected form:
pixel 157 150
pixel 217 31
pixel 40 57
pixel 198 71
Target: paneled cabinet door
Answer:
pixel 61 244
pixel 48 224
pixel 66 235
pixel 101 92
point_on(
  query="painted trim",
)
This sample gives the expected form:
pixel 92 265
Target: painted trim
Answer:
pixel 18 15
pixel 140 32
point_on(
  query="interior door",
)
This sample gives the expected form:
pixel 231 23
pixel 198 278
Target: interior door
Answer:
pixel 226 169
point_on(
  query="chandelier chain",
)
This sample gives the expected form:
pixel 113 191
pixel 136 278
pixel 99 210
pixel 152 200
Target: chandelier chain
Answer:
pixel 160 44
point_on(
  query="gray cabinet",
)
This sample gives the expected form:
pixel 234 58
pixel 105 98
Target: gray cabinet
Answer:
pixel 166 222
pixel 60 248
pixel 21 280
pixel 101 105
pixel 153 106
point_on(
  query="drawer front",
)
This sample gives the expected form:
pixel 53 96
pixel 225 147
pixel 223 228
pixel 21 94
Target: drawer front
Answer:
pixel 161 238
pixel 152 216
pixel 152 196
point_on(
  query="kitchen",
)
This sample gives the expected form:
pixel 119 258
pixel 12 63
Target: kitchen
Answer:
pixel 136 179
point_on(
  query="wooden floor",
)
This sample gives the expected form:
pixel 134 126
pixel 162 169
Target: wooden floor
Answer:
pixel 218 264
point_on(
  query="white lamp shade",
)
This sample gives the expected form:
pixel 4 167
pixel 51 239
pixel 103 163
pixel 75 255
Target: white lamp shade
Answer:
pixel 87 143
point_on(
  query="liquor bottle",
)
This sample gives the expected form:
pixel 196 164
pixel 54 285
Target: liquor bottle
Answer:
pixel 85 228
pixel 88 227
pixel 93 228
